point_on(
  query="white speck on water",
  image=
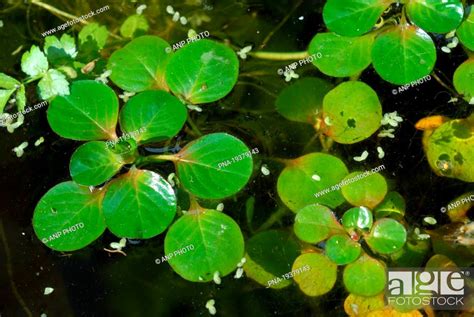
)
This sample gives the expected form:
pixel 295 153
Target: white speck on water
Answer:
pixel 362 157
pixel 446 49
pixel 141 8
pixel 39 141
pixel 264 169
pixel 381 152
pixel 216 278
pixel 301 18
pixel 48 290
pixel 316 177
pixel 220 207
pixel 210 306
pixel 169 9
pixel 239 273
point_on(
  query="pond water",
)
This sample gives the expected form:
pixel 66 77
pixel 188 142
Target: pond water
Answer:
pixel 94 282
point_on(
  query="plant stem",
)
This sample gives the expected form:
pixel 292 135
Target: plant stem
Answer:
pixel 163 157
pixel 280 56
pixel 193 126
pixel 275 217
pixel 440 81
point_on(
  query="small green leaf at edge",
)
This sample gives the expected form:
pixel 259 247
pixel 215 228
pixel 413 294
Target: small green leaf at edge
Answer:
pixel 315 223
pixel 365 277
pixel 387 236
pixel 320 276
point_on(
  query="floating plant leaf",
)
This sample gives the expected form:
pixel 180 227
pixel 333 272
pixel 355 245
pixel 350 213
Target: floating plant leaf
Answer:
pixel 450 150
pixel 89 112
pixel 412 54
pixel 60 50
pixel 341 56
pixel 94 163
pixel 393 205
pixel 68 217
pixel 218 245
pixel 464 79
pixel 311 179
pixel 315 223
pixel 364 189
pixel 34 62
pixel 20 97
pixel 465 32
pixel 214 166
pixel 140 65
pixel 356 306
pixel 158 113
pixel 93 33
pixel 270 255
pixel 352 112
pixel 342 250
pixel 303 100
pixel 319 277
pixel 52 84
pixel 139 205
pixel 5 95
pixel 434 15
pixel 359 218
pixel 353 18
pixel 365 277
pixel 387 236
pixel 202 71
pixel 8 82
pixel 134 25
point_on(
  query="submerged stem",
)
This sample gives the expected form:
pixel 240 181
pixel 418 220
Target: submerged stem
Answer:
pixel 280 56
pixel 275 217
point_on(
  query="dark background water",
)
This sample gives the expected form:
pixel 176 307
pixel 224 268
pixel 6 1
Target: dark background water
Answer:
pixel 91 282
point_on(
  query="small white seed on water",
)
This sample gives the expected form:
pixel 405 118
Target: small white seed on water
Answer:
pixel 216 278
pixel 39 141
pixel 210 306
pixel 381 152
pixel 264 169
pixel 220 207
pixel 48 290
pixel 316 177
pixel 362 157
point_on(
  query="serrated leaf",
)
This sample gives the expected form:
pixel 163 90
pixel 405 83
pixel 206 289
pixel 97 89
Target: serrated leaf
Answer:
pixel 412 54
pixel 465 32
pixel 34 62
pixel 218 245
pixel 140 65
pixel 352 112
pixel 60 51
pixel 158 113
pixel 140 205
pixel 302 101
pixel 298 188
pixel 270 254
pixel 89 112
pixel 341 56
pixel 95 34
pixel 434 15
pixel 353 18
pixel 214 166
pixel 365 277
pixel 8 82
pixel 135 25
pixel 315 223
pixel 52 84
pixel 68 217
pixel 387 236
pixel 320 276
pixel 342 250
pixel 362 190
pixel 202 71
pixel 94 163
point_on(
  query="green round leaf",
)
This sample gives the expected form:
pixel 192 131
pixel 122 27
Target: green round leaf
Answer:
pixel 450 150
pixel 352 112
pixel 94 163
pixel 202 71
pixel 359 218
pixel 218 245
pixel 134 25
pixel 412 54
pixel 139 205
pixel 342 250
pixel 465 32
pixel 434 15
pixel 387 236
pixel 393 205
pixel 68 217
pixel 94 35
pixel 140 65
pixel 158 113
pixel 214 166
pixel 341 56
pixel 364 189
pixel 302 101
pixel 464 79
pixel 353 18
pixel 315 223
pixel 89 112
pixel 365 277
pixel 270 255
pixel 312 179
pixel 314 273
